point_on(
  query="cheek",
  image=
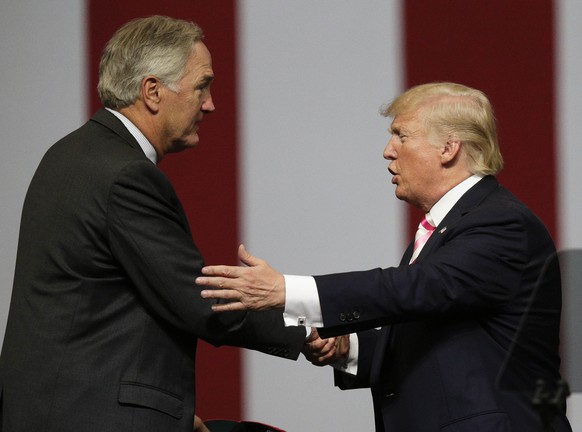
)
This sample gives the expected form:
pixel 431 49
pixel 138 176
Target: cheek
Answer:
pixel 415 172
pixel 408 163
pixel 418 162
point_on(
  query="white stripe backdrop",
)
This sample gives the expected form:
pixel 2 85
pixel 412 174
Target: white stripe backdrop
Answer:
pixel 42 57
pixel 315 193
pixel 569 124
pixel 568 135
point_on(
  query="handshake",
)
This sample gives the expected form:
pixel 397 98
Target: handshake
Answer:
pixel 331 351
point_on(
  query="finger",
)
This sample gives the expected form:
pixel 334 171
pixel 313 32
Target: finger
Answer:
pixel 246 258
pixel 314 335
pixel 227 307
pixel 216 282
pixel 315 344
pixel 321 344
pixel 320 347
pixel 328 348
pixel 222 270
pixel 220 294
pixel 327 357
pixel 322 359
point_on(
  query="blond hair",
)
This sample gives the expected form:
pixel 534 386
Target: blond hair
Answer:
pixel 458 111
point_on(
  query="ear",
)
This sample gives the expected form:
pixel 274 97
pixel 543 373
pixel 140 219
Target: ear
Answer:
pixel 151 92
pixel 450 151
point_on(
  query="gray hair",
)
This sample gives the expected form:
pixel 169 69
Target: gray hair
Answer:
pixel 156 45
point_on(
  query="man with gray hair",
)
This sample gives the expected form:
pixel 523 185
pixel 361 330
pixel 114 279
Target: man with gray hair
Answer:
pixel 431 336
pixel 105 314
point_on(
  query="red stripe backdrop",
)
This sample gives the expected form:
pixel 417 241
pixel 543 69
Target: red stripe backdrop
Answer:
pixel 506 49
pixel 204 178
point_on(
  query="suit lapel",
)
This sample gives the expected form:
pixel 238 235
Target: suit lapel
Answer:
pixel 408 253
pixel 471 199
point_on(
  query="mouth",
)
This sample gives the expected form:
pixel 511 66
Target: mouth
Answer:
pixel 394 175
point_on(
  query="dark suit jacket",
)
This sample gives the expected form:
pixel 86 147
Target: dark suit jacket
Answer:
pixel 105 315
pixel 449 321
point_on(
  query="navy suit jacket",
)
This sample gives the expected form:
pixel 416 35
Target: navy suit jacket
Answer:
pixel 448 321
pixel 105 315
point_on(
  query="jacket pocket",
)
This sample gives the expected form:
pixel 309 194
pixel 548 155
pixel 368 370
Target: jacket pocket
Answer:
pixel 137 394
pixel 487 421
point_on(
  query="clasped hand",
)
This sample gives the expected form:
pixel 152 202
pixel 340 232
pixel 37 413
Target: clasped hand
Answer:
pixel 321 352
pixel 255 287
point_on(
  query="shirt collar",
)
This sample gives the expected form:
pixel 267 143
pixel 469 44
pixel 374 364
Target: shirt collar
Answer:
pixel 143 142
pixel 438 211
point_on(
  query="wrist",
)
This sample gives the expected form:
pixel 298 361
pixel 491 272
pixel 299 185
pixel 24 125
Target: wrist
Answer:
pixel 282 291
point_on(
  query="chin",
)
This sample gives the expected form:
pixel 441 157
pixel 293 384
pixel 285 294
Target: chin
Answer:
pixel 182 147
pixel 400 195
pixel 191 143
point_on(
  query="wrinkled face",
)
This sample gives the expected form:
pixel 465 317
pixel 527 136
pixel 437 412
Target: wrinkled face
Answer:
pixel 415 161
pixel 182 111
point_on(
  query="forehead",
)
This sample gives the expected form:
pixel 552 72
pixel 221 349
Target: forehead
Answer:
pixel 201 53
pixel 199 63
pixel 406 121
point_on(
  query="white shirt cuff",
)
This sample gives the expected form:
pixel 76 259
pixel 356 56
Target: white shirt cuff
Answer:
pixel 302 302
pixel 350 365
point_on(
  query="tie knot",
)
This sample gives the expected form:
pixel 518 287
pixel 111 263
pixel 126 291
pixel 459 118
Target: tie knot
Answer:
pixel 426 224
pixel 425 229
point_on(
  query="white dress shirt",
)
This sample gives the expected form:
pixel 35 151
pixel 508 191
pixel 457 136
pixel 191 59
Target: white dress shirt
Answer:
pixel 143 142
pixel 302 300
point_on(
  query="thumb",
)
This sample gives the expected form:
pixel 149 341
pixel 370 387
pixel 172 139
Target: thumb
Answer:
pixel 246 258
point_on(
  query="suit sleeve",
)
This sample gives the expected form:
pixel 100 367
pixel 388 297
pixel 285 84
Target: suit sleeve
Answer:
pixel 150 237
pixel 477 267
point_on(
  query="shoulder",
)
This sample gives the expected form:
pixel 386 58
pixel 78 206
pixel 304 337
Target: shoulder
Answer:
pixel 502 204
pixel 488 200
pixel 498 218
pixel 94 148
pixel 101 137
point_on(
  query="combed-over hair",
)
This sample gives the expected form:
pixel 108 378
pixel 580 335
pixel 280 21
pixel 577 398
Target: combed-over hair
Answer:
pixel 458 111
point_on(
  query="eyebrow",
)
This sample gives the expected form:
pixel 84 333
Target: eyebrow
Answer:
pixel 207 79
pixel 403 129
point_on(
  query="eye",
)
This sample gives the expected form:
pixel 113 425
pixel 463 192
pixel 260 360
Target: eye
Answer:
pixel 399 133
pixel 204 85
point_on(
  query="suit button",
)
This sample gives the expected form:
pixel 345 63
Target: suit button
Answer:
pixel 350 317
pixel 356 315
pixel 342 317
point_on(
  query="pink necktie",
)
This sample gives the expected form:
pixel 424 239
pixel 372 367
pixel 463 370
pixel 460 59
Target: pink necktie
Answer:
pixel 425 229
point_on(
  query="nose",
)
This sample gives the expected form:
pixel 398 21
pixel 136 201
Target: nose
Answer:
pixel 208 104
pixel 389 150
